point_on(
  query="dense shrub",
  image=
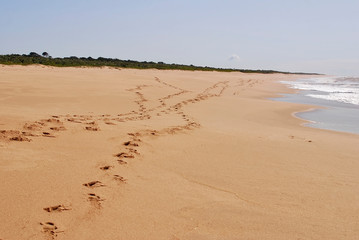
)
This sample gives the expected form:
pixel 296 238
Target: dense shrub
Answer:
pixel 73 61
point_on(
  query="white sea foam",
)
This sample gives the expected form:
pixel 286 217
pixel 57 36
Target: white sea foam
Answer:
pixel 340 89
pixel 352 98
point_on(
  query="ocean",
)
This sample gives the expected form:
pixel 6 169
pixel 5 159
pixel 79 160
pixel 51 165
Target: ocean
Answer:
pixel 338 98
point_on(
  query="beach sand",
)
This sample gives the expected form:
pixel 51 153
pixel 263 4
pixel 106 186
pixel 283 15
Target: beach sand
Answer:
pixel 101 153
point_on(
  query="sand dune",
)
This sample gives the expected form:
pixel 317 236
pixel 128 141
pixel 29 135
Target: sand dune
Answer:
pixel 101 153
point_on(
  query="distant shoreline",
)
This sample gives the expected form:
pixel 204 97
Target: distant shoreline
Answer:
pixel 73 61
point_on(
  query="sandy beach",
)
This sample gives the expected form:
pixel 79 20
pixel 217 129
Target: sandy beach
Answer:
pixel 103 153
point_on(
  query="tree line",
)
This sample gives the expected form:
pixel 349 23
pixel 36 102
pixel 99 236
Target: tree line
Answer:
pixel 73 61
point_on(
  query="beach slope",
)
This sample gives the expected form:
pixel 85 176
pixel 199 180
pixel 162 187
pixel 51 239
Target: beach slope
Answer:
pixel 101 153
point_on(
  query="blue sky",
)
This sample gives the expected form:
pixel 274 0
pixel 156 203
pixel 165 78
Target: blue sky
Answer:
pixel 307 35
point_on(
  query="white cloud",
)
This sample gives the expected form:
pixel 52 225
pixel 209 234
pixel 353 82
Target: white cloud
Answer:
pixel 234 57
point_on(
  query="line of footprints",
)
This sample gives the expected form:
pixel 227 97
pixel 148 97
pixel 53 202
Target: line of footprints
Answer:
pixel 50 229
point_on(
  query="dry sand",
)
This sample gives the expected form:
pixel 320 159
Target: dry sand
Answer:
pixel 89 153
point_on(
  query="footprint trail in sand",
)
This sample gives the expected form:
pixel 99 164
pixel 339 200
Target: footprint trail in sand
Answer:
pixel 171 105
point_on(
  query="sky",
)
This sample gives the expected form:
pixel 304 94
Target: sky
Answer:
pixel 319 36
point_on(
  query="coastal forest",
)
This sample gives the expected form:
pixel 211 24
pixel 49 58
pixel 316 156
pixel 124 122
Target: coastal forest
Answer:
pixel 73 61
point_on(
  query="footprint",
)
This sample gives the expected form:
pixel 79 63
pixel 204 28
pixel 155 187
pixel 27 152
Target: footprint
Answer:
pixel 57 208
pixel 124 155
pixel 94 184
pixel 73 120
pixel 20 139
pixel 51 120
pixel 33 126
pixel 109 123
pixel 119 178
pixel 92 128
pixel 133 134
pixel 61 128
pixel 13 135
pixel 95 199
pixel 129 143
pixel 120 161
pixel 107 167
pixel 47 134
pixel 50 228
pixel 131 150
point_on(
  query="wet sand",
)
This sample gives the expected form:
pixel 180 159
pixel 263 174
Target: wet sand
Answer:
pixel 331 115
pixel 90 153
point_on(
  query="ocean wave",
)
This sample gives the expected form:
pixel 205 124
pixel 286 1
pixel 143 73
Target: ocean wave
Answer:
pixel 340 89
pixel 339 97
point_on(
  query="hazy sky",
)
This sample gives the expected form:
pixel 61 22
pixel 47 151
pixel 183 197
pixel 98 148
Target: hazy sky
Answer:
pixel 289 35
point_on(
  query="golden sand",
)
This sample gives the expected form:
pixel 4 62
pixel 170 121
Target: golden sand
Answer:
pixel 100 153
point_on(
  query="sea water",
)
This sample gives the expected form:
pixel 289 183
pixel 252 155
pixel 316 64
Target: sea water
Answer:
pixel 338 97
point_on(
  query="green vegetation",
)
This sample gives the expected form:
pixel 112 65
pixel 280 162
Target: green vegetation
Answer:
pixel 46 59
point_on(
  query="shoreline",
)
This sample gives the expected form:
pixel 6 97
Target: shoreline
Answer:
pixel 149 154
pixel 294 114
pixel 323 114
